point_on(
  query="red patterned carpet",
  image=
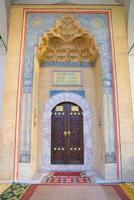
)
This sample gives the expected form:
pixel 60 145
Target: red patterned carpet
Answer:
pixel 75 192
pixel 66 178
pixel 74 186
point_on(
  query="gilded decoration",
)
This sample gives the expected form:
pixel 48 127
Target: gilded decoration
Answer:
pixel 67 42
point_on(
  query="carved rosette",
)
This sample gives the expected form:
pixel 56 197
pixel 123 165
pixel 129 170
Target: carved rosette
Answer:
pixel 67 42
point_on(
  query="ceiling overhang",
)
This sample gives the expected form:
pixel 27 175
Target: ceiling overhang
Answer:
pixel 103 2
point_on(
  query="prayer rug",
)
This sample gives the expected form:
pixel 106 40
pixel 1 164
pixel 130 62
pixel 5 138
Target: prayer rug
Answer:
pixel 14 191
pixel 75 192
pixel 66 178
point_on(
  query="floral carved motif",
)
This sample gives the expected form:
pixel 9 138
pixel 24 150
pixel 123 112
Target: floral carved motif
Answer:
pixel 67 42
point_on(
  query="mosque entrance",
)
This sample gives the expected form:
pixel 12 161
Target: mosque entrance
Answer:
pixel 67 134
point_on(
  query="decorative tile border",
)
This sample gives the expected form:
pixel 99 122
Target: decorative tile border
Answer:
pixel 78 92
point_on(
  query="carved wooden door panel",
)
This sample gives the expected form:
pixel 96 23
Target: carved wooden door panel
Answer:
pixel 75 124
pixel 67 134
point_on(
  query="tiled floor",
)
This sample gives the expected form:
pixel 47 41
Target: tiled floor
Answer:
pixel 43 192
pixel 18 191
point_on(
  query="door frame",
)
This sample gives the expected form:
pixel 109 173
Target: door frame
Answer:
pixel 65 118
pixel 45 150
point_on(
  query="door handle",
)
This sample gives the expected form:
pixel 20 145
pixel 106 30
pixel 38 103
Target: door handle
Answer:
pixel 69 133
pixel 65 133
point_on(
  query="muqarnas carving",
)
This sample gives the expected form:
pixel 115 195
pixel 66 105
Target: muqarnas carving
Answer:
pixel 67 42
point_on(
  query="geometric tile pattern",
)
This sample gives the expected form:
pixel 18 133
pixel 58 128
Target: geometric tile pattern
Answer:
pixel 3 187
pixel 14 191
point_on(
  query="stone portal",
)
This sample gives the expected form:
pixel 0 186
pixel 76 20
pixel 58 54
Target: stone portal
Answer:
pixel 82 164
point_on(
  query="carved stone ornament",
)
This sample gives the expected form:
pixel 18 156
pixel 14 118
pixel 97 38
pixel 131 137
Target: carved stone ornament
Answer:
pixel 67 42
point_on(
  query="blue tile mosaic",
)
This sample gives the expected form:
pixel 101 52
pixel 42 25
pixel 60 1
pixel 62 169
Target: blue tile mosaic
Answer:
pixel 79 92
pixel 70 64
pixel 36 25
pixel 96 24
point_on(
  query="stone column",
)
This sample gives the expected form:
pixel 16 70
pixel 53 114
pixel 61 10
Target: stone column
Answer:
pixel 109 133
pixel 109 130
pixel 26 115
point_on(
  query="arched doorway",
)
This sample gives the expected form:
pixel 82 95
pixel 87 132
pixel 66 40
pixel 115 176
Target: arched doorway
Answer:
pixel 67 134
pixel 45 147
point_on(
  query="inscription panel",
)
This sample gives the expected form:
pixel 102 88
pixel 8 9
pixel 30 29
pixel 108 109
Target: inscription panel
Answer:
pixel 67 78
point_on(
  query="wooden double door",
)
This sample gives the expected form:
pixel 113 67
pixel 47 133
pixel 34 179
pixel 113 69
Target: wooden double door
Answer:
pixel 67 134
